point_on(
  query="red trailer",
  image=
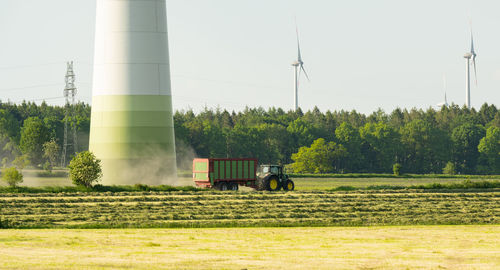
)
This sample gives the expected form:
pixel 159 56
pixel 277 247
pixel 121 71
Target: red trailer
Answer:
pixel 225 173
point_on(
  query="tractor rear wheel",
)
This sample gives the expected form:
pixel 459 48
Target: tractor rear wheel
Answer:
pixel 233 186
pixel 273 184
pixel 289 185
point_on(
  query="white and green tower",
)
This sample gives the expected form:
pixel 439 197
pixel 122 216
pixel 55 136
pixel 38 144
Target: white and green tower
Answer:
pixel 131 128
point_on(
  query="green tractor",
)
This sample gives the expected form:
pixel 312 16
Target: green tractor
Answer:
pixel 272 178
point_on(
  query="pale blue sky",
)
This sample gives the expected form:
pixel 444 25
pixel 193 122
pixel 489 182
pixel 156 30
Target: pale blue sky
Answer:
pixel 359 54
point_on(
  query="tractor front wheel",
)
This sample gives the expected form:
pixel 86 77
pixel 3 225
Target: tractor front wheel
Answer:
pixel 289 185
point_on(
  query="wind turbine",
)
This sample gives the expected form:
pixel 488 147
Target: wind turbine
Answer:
pixel 470 56
pixel 298 68
pixel 445 103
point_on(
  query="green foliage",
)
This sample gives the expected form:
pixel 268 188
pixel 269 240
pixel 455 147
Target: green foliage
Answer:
pixel 47 166
pixel 449 168
pixel 426 147
pixel 33 136
pixel 9 125
pixel 85 169
pixel 489 148
pixel 52 174
pixel 396 169
pixel 21 162
pixel 380 146
pixel 349 137
pixel 466 139
pixel 321 157
pixel 422 141
pixel 12 176
pixel 51 152
pixel 8 150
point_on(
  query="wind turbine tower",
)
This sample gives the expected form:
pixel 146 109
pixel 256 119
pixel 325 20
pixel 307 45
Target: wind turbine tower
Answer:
pixel 298 67
pixel 131 128
pixel 470 60
pixel 445 103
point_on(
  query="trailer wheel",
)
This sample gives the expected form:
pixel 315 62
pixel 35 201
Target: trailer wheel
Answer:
pixel 233 186
pixel 222 186
pixel 289 185
pixel 273 184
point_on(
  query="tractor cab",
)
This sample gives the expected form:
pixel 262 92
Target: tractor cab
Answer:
pixel 271 169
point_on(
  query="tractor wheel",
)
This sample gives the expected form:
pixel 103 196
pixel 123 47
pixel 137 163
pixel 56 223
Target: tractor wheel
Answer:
pixel 289 185
pixel 233 186
pixel 222 186
pixel 273 184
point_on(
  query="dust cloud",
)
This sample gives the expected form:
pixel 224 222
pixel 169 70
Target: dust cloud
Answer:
pixel 158 167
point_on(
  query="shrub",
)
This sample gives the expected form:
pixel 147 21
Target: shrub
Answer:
pixel 449 168
pixel 21 162
pixel 12 176
pixel 396 168
pixel 47 166
pixel 5 161
pixel 85 169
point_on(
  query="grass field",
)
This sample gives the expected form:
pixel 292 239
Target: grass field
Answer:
pixel 411 247
pixel 301 183
pixel 244 209
pixel 308 184
pixel 208 239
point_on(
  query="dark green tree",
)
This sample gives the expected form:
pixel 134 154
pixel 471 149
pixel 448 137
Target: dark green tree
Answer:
pixel 33 135
pixel 489 148
pixel 350 138
pixel 465 142
pixel 321 157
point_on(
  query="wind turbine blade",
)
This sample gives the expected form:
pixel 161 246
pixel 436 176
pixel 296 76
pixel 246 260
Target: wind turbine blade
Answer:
pixel 299 55
pixel 471 39
pixel 305 72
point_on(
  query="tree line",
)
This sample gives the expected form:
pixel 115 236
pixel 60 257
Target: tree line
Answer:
pixel 32 134
pixel 420 141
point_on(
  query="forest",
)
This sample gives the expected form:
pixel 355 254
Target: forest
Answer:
pixel 449 140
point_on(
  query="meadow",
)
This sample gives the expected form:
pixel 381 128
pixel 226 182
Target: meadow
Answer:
pixel 334 222
pixel 32 178
pixel 185 209
pixel 406 247
pixel 315 183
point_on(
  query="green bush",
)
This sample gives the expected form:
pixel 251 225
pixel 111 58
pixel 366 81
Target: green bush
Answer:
pixel 52 174
pixel 21 162
pixel 85 169
pixel 47 166
pixel 12 176
pixel 396 168
pixel 449 168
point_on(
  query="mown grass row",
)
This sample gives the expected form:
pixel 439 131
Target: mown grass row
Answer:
pixel 463 185
pixel 191 209
pixel 97 188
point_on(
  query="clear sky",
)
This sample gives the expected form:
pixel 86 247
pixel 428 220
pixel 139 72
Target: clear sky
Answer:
pixel 360 55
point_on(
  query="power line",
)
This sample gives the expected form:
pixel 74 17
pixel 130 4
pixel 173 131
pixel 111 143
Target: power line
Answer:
pixel 29 87
pixel 43 65
pixel 32 66
pixel 246 84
